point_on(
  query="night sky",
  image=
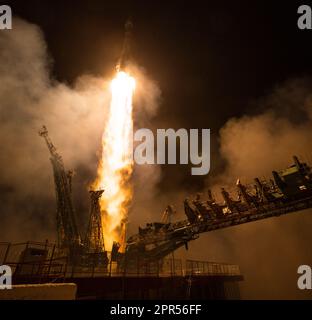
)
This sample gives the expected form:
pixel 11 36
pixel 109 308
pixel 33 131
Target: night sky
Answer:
pixel 208 56
pixel 212 61
pixel 213 58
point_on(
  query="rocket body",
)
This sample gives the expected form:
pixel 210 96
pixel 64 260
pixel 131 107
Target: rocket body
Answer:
pixel 125 52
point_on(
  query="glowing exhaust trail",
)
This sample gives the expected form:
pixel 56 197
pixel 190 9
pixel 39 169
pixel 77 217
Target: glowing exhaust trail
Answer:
pixel 116 165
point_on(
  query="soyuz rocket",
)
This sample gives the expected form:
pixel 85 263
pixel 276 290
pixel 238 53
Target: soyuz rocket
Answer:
pixel 125 52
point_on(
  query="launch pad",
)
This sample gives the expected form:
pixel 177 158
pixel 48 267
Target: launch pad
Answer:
pixel 289 191
pixel 144 270
pixel 34 263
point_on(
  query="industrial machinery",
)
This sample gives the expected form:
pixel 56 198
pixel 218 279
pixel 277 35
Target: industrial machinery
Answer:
pixel 94 239
pixel 67 230
pixel 94 247
pixel 289 191
pixel 91 250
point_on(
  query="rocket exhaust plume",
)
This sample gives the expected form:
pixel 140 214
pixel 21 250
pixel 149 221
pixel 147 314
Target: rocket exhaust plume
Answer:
pixel 116 164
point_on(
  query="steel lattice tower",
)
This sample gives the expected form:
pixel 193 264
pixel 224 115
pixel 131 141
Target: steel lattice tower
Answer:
pixel 67 231
pixel 94 240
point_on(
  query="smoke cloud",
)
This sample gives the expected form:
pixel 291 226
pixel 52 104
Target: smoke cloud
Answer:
pixel 268 252
pixel 29 99
pixel 74 115
pixel 254 145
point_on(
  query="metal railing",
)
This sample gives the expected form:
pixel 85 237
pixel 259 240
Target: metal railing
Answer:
pixel 35 261
pixel 41 262
pixel 211 268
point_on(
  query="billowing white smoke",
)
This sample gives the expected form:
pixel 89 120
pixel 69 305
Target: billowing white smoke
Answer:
pixel 30 98
pixel 74 115
pixel 270 251
pixel 255 145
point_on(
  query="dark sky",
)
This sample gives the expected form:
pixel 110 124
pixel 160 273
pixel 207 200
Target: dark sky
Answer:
pixel 212 60
pixel 205 56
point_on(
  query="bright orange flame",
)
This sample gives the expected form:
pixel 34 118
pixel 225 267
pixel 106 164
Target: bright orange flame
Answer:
pixel 116 164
